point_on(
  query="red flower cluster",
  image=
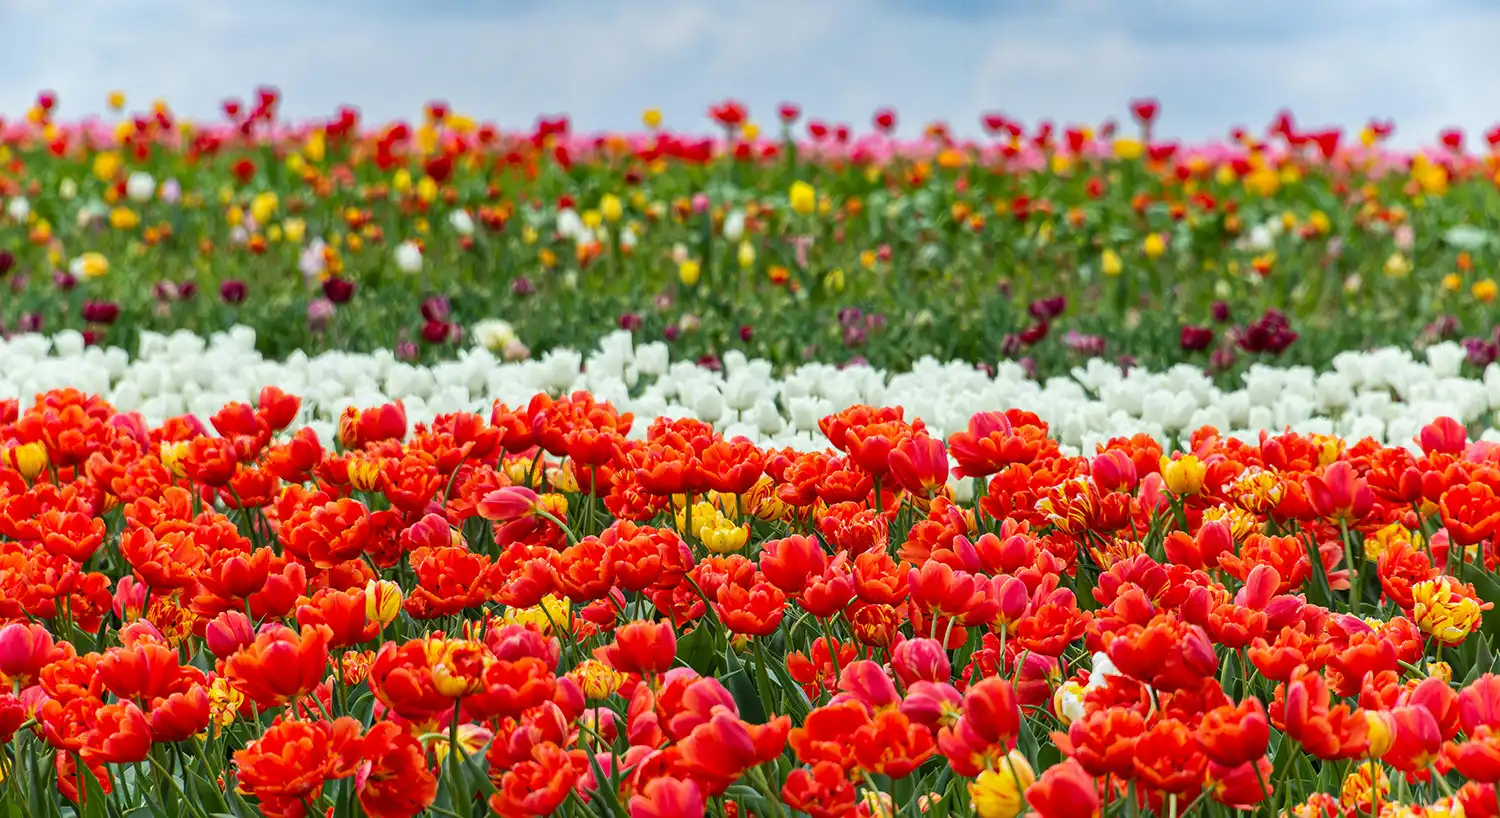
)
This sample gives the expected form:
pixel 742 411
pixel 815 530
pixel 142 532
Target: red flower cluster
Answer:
pixel 539 612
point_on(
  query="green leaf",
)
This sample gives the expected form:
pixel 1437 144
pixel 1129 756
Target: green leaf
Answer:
pixel 206 791
pixel 748 796
pixel 696 650
pixel 742 688
pixel 1487 588
pixel 793 692
pixel 94 803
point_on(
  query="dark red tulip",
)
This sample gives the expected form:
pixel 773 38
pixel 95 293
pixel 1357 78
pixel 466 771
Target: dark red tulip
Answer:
pixel 233 291
pixel 1196 339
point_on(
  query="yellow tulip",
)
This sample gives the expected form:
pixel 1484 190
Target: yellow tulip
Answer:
pixel 1183 477
pixel 93 265
pixel 803 198
pixel 123 218
pixel 688 272
pixel 317 145
pixel 1109 262
pixel 427 189
pixel 106 166
pixel 745 255
pixel 611 208
pixel 999 793
pixel 263 207
pixel 27 458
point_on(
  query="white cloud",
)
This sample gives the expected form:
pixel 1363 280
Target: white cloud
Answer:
pixel 1213 65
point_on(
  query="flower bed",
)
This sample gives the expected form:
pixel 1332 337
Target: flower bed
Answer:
pixel 1050 244
pixel 541 610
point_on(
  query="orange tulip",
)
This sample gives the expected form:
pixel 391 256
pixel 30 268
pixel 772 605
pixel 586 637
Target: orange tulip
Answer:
pixel 640 647
pixel 399 783
pixel 1234 734
pixel 344 613
pixel 121 735
pixel 293 759
pixel 756 611
pixel 1064 791
pixel 280 665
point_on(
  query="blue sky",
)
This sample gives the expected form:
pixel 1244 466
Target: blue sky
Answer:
pixel 1214 64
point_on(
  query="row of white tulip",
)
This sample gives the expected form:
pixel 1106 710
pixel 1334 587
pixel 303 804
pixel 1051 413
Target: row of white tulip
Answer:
pixel 1386 394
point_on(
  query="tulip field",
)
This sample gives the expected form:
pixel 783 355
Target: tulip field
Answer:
pixel 785 469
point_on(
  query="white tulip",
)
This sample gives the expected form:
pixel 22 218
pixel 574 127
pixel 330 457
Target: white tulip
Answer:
pixel 140 187
pixel 408 258
pixel 461 222
pixel 734 225
pixel 18 209
pixel 493 334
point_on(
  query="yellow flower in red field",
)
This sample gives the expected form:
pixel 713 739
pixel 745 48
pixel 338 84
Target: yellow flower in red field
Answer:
pixel 1128 148
pixel 750 130
pixel 27 458
pixel 116 100
pixel 382 601
pixel 597 680
pixel 1447 609
pixel 651 118
pixel 1183 476
pixel 998 793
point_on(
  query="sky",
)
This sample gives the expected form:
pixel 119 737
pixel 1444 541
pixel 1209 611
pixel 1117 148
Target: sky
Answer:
pixel 1428 64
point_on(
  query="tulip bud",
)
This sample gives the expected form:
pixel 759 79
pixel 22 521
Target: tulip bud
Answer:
pixel 1382 732
pixel 27 458
pixel 382 601
pixel 1184 476
pixel 598 680
pixel 227 633
pixel 920 660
